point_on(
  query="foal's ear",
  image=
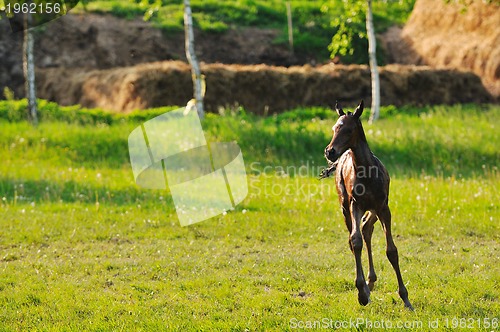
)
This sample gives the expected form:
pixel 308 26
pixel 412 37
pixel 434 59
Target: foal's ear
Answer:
pixel 359 110
pixel 339 109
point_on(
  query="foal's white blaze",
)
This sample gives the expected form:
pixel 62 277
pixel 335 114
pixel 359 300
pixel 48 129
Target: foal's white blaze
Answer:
pixel 339 123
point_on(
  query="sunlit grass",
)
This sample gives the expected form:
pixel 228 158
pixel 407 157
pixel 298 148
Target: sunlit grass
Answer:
pixel 68 265
pixel 83 248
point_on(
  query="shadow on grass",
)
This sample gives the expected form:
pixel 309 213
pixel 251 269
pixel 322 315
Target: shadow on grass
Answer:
pixel 436 159
pixel 293 148
pixel 16 191
pixel 288 148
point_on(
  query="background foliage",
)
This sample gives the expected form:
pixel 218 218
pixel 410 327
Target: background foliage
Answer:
pixel 315 22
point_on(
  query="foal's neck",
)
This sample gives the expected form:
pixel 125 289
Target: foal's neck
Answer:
pixel 362 154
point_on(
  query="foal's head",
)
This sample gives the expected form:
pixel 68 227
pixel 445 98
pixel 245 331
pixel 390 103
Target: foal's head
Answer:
pixel 347 132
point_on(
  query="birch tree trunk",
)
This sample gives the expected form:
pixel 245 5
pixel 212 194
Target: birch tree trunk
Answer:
pixel 372 47
pixel 29 69
pixel 193 61
pixel 290 25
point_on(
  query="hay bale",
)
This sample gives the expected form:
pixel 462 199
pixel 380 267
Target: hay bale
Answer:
pixel 452 35
pixel 260 89
pixel 120 89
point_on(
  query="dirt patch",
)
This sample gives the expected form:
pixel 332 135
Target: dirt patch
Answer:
pixel 451 36
pixel 103 41
pixel 260 89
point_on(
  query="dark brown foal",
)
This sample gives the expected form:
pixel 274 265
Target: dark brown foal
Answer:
pixel 363 187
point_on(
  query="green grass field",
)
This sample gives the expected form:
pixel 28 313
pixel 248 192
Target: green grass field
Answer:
pixel 83 248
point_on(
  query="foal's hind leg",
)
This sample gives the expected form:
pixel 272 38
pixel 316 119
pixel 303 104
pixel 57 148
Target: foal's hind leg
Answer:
pixel 392 253
pixel 367 229
pixel 357 246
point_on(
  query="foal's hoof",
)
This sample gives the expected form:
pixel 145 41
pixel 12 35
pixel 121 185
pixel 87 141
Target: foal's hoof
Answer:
pixel 409 306
pixel 363 292
pixel 363 299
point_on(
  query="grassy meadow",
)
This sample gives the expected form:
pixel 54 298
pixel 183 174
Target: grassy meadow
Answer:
pixel 83 248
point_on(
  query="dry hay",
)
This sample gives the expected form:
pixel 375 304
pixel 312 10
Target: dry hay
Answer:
pixel 453 35
pixel 258 88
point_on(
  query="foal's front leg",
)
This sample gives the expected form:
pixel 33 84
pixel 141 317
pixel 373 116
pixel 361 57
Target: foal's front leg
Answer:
pixel 357 246
pixel 367 229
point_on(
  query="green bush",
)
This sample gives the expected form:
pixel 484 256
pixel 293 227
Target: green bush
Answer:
pixel 16 111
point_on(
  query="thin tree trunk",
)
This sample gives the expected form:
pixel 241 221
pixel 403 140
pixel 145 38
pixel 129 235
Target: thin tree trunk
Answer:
pixel 290 25
pixel 29 69
pixel 372 47
pixel 193 61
